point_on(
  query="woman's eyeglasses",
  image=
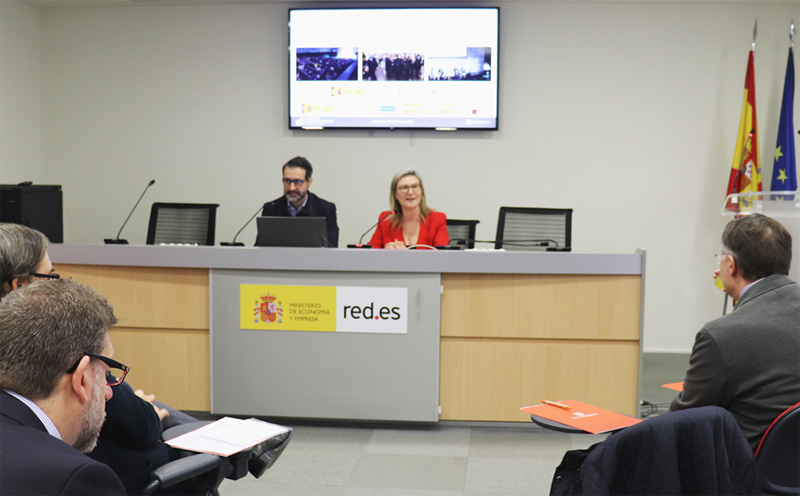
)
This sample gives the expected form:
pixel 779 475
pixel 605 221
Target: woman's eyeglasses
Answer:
pixel 51 275
pixel 405 188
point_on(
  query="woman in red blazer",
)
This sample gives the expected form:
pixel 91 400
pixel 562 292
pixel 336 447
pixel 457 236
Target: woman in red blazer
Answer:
pixel 412 223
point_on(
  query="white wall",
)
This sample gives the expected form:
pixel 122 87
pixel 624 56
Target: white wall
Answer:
pixel 20 94
pixel 626 112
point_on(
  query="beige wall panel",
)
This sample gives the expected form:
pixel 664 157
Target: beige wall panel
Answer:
pixel 541 306
pixel 491 379
pixel 173 365
pixel 155 297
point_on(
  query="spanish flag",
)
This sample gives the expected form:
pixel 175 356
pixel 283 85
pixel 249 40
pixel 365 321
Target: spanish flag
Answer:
pixel 746 171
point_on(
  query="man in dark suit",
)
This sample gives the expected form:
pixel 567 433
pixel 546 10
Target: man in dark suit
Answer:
pixel 297 201
pixel 55 354
pixel 747 361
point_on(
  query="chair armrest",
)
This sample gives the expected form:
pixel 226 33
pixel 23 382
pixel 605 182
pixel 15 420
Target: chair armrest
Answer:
pixel 261 461
pixel 182 469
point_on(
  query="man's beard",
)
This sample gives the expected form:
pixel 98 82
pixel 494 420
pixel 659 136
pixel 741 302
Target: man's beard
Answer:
pixel 94 416
pixel 294 197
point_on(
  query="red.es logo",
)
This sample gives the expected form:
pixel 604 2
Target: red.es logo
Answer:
pixel 369 312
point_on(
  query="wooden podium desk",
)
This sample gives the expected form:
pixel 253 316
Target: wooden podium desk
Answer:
pixel 515 327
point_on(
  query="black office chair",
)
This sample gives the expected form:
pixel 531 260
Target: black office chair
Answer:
pixel 184 223
pixel 533 229
pixel 208 471
pixel 462 232
pixel 778 454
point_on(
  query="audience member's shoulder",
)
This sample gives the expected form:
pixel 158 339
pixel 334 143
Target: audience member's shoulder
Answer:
pixel 777 280
pixel 94 477
pixel 38 463
pixel 88 476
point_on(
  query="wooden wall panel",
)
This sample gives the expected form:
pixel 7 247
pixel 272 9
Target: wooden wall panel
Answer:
pixel 173 365
pixel 163 329
pixel 491 379
pixel 155 297
pixel 541 306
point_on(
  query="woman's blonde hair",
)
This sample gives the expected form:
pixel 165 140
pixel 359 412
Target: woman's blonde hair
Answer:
pixel 397 218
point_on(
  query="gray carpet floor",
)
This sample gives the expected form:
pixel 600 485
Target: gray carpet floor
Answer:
pixel 444 459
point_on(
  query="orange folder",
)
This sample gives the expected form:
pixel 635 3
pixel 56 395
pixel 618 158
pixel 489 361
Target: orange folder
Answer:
pixel 675 386
pixel 583 416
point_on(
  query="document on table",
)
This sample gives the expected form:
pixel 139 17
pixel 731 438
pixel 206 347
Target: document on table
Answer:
pixel 227 436
pixel 583 416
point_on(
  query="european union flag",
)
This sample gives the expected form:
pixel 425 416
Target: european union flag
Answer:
pixel 784 170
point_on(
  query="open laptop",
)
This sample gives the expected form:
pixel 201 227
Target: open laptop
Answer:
pixel 310 232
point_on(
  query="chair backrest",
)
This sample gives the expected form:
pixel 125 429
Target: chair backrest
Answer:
pixel 185 223
pixel 778 454
pixel 528 228
pixel 462 232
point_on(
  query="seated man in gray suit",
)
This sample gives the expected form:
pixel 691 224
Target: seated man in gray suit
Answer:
pixel 749 360
pixel 55 357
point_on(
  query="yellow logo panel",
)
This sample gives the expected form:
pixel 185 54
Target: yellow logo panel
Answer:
pixel 287 308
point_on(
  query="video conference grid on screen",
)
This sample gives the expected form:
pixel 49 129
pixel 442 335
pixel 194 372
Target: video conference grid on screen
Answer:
pixel 393 68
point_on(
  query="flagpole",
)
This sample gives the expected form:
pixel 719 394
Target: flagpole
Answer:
pixel 755 32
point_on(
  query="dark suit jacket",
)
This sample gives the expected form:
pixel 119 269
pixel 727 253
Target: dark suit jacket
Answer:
pixel 747 361
pixel 130 441
pixel 34 462
pixel 315 207
pixel 699 451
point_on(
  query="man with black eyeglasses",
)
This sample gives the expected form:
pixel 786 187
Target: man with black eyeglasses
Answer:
pixel 297 201
pixel 55 362
pixel 130 439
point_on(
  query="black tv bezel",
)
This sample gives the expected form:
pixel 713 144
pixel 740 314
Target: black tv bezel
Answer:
pixel 495 63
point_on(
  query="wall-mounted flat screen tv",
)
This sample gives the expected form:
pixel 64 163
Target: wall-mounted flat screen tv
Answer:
pixel 382 68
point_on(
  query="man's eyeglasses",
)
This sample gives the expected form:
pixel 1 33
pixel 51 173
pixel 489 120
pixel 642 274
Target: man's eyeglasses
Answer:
pixel 404 189
pixel 112 364
pixel 296 182
pixel 51 275
pixel 719 256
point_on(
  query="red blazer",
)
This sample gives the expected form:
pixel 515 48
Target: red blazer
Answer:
pixel 432 231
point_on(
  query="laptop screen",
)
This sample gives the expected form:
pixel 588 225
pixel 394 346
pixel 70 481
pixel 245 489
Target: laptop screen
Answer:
pixel 309 232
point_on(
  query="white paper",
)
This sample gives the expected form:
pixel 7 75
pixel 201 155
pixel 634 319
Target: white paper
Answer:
pixel 227 436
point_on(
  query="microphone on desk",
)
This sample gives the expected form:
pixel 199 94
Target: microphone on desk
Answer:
pixel 117 241
pixel 234 243
pixel 359 244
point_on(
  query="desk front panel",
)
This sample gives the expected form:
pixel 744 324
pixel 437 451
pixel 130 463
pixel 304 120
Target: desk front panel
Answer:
pixel 312 374
pixel 509 341
pixel 581 311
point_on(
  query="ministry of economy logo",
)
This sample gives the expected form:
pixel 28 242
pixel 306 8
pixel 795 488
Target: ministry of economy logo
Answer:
pixel 323 308
pixel 267 310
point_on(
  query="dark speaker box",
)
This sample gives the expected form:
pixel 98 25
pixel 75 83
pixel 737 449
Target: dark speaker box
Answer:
pixel 39 207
